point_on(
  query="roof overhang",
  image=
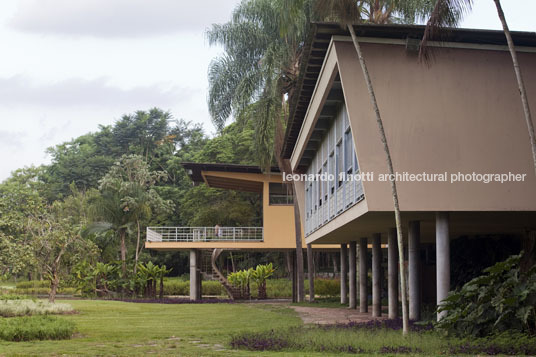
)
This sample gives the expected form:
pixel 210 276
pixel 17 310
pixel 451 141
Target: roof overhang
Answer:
pixel 318 43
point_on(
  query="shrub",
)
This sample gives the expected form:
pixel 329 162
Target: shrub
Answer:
pixel 177 287
pixel 10 308
pixel 33 284
pixel 503 299
pixel 14 297
pixel 35 328
pixel 43 291
pixel 327 287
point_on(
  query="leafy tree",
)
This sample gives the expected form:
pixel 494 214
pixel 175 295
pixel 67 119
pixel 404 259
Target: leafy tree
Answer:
pixel 128 198
pixel 57 239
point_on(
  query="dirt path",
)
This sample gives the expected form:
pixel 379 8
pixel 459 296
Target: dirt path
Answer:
pixel 329 316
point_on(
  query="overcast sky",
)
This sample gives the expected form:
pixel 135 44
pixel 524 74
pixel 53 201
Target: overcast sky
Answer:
pixel 67 66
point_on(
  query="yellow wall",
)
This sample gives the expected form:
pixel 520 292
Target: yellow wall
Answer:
pixel 278 221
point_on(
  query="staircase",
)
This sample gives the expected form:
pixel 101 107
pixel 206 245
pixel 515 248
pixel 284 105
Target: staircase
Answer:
pixel 233 292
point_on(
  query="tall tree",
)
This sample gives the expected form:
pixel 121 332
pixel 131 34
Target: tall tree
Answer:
pixel 128 198
pixel 255 76
pixel 348 13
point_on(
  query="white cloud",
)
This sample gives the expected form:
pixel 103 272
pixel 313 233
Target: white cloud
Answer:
pixel 19 91
pixel 118 18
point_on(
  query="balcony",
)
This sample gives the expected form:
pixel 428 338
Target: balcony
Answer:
pixel 205 234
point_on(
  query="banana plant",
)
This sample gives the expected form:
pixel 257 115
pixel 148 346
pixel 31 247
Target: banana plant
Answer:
pixel 260 274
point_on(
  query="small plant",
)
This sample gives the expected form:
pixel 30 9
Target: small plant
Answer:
pixel 30 328
pixel 19 307
pixel 242 279
pixel 260 274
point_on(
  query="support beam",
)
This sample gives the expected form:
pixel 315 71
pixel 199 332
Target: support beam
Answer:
pixel 376 275
pixel 363 270
pixel 195 293
pixel 344 274
pixel 392 268
pixel 352 276
pixel 442 258
pixel 294 277
pixel 414 262
pixel 311 272
pixel 199 276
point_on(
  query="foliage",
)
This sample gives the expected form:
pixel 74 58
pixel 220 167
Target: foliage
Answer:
pixel 178 287
pixel 242 279
pixel 260 274
pixel 30 328
pixel 503 299
pixel 147 278
pixel 327 287
pixel 22 307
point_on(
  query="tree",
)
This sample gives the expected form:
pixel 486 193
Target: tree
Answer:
pixel 57 240
pixel 348 13
pixel 253 79
pixel 447 13
pixel 128 198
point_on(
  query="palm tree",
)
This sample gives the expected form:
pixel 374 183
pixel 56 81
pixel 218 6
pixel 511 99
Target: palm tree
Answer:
pixel 348 13
pixel 447 13
pixel 252 80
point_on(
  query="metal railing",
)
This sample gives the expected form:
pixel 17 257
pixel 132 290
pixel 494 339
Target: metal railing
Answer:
pixel 205 234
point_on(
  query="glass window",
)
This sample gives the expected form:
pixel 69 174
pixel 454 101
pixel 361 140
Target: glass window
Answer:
pixel 338 163
pixel 348 152
pixel 332 172
pixel 279 194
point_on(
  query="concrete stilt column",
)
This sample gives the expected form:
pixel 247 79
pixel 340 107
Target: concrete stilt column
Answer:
pixel 294 277
pixel 376 275
pixel 392 269
pixel 344 274
pixel 195 293
pixel 352 276
pixel 414 262
pixel 363 270
pixel 442 258
pixel 311 272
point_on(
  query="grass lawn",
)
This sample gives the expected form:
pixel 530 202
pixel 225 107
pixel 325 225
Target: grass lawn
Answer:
pixel 119 328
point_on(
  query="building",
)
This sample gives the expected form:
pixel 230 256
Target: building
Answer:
pixel 456 125
pixel 277 232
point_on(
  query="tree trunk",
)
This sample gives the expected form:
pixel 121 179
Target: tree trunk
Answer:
pixel 122 234
pixel 54 282
pixel 299 250
pixel 162 287
pixel 137 248
pixel 520 83
pixel 288 260
pixel 311 272
pixel 368 81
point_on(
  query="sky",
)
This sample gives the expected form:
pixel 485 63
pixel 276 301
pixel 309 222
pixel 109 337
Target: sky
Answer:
pixel 68 66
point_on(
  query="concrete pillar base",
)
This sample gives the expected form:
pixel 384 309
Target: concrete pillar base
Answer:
pixel 376 275
pixel 363 270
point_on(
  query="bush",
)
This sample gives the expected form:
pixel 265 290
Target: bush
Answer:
pixel 14 297
pixel 327 287
pixel 503 299
pixel 10 308
pixel 33 284
pixel 35 328
pixel 43 291
pixel 177 287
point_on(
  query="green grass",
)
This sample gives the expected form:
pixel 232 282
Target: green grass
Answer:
pixel 318 339
pixel 111 327
pixel 28 328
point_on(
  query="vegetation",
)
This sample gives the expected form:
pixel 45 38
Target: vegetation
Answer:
pixel 35 328
pixel 26 307
pixel 126 329
pixel 503 299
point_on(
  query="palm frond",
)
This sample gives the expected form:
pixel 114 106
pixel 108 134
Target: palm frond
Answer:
pixel 446 14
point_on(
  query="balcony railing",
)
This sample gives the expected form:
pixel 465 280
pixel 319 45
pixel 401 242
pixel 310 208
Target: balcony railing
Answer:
pixel 205 234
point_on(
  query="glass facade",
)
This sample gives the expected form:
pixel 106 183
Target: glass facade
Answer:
pixel 335 188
